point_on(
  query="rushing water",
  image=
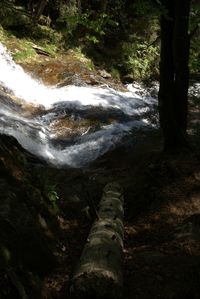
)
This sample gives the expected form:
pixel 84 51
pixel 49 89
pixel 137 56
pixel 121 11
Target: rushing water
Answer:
pixel 37 132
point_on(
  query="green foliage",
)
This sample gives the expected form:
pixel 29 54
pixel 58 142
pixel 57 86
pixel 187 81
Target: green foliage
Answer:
pixel 52 195
pixel 25 53
pixel 115 73
pixel 49 39
pixel 150 8
pixel 141 59
pixel 93 27
pixel 120 36
pixel 194 62
pixel 97 27
pixel 22 46
pixel 48 191
pixel 11 15
pixel 194 28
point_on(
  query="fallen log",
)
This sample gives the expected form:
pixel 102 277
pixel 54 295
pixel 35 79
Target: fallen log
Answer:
pixel 40 51
pixel 99 273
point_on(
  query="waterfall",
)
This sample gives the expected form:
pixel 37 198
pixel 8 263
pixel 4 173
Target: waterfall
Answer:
pixel 36 133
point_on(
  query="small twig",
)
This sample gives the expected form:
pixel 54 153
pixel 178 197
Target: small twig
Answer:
pixel 154 42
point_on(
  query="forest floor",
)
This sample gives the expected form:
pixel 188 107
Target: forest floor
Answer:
pixel 162 221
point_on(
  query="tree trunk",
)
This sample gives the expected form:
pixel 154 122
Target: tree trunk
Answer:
pixel 181 58
pixel 174 74
pixel 99 273
pixel 38 10
pixel 166 90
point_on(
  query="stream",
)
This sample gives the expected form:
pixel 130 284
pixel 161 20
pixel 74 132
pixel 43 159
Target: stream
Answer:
pixel 68 126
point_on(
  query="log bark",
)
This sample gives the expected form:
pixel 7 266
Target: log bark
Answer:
pixel 99 273
pixel 40 51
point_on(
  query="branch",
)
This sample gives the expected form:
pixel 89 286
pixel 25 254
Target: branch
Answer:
pixel 154 42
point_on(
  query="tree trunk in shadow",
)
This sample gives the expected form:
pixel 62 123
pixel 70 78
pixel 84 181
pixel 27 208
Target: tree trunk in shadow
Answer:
pixel 174 73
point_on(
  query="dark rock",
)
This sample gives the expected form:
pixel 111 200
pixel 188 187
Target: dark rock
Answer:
pixel 104 74
pixel 129 78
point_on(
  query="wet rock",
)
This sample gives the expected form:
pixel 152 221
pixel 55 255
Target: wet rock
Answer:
pixel 8 103
pixel 72 79
pixel 194 90
pixel 153 89
pixel 69 69
pixel 104 74
pixel 5 89
pixel 19 233
pixel 129 78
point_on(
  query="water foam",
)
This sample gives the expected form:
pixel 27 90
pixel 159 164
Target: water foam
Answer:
pixel 33 91
pixel 35 134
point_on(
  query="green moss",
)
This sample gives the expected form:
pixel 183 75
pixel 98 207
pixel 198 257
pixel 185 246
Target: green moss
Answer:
pixel 25 53
pixel 115 73
pixel 22 48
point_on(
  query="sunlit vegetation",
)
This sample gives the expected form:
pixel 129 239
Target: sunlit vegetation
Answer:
pixel 124 37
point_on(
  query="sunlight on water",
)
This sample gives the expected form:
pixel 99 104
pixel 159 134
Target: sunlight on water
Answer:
pixel 35 134
pixel 23 86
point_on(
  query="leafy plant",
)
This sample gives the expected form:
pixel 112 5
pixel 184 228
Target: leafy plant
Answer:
pixel 48 191
pixel 194 29
pixel 53 195
pixel 93 26
pixel 115 73
pixel 141 59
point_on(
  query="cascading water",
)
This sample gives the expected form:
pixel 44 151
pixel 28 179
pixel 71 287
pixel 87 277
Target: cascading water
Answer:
pixel 36 132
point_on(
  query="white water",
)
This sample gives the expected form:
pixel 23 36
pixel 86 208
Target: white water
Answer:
pixel 35 134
